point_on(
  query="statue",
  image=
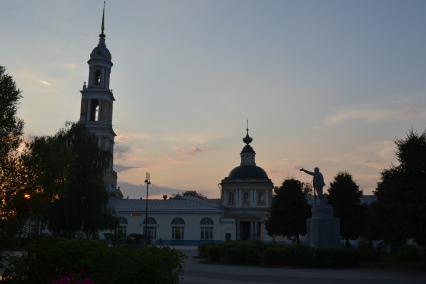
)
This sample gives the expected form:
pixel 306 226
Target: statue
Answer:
pixel 318 183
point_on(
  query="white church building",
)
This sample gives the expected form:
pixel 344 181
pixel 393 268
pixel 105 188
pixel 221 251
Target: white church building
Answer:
pixel 246 193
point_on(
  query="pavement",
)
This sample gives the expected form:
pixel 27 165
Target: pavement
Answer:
pixel 202 273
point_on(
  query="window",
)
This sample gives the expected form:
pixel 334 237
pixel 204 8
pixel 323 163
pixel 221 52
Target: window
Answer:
pixel 206 229
pixel 178 226
pixel 94 110
pixel 246 198
pixel 231 198
pixel 98 77
pixel 261 198
pixel 151 228
pixel 121 231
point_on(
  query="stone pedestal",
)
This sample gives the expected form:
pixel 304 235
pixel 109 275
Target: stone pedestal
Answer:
pixel 323 229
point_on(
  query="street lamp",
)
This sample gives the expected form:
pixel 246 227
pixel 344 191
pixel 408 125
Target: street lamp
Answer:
pixel 148 182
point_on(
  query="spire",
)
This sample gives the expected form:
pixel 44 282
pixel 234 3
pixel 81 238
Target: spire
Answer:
pixel 247 139
pixel 102 35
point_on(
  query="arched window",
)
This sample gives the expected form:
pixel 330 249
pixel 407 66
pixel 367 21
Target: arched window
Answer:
pixel 178 228
pixel 231 198
pixel 121 231
pixel 206 229
pixel 97 113
pixel 98 77
pixel 246 198
pixel 94 110
pixel 261 198
pixel 151 228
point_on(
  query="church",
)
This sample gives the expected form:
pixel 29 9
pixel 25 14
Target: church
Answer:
pixel 246 193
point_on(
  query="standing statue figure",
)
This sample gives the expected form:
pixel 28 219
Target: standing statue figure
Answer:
pixel 318 182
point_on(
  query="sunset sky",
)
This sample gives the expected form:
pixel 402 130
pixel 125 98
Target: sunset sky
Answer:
pixel 322 83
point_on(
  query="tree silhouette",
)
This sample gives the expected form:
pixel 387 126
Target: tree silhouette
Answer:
pixel 70 170
pixel 344 195
pixel 15 179
pixel 399 212
pixel 289 210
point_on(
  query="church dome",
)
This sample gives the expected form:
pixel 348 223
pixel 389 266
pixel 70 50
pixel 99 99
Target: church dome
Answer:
pixel 100 52
pixel 248 172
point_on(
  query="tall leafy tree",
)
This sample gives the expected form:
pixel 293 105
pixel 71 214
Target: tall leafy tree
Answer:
pixel 15 179
pixel 289 210
pixel 11 126
pixel 399 212
pixel 344 195
pixel 70 170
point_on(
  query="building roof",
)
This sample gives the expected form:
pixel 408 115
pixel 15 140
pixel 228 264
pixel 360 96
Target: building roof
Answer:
pixel 184 204
pixel 247 172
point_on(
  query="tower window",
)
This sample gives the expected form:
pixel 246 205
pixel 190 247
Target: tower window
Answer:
pixel 231 198
pixel 98 77
pixel 246 198
pixel 261 198
pixel 94 110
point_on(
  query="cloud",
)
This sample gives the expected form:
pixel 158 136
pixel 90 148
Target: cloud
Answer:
pixel 70 66
pixel 126 138
pixel 45 83
pixel 192 151
pixel 121 150
pixel 399 109
pixel 375 156
pixel 122 168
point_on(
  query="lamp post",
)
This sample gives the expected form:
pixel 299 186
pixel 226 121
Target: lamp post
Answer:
pixel 148 182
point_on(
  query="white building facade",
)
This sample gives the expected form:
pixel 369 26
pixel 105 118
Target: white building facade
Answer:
pixel 240 213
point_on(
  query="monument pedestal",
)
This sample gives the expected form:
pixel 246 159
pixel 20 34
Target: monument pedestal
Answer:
pixel 322 228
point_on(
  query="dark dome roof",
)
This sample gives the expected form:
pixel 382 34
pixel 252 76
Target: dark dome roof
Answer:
pixel 248 172
pixel 100 52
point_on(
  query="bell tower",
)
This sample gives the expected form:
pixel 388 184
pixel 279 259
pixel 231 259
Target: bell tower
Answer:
pixel 97 102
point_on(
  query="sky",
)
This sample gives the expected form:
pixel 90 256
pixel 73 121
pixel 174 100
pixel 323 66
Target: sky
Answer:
pixel 323 83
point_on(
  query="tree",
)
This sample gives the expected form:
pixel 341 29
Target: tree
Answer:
pixel 15 179
pixel 11 127
pixel 344 195
pixel 194 193
pixel 70 169
pixel 289 210
pixel 400 210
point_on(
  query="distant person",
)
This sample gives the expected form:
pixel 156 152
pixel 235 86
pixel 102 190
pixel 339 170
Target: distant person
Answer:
pixel 318 182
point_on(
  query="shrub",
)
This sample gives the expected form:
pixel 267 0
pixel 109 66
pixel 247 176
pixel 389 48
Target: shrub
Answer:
pixel 288 255
pixel 366 251
pixel 274 255
pixel 52 259
pixel 215 252
pixel 336 257
pixel 203 250
pixel 248 252
pixel 407 253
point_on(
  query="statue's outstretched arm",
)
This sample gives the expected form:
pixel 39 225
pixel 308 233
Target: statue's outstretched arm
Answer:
pixel 308 172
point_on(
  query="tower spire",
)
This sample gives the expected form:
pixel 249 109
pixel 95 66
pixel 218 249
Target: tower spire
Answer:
pixel 247 139
pixel 103 23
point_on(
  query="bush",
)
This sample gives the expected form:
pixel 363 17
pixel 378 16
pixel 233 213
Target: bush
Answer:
pixel 408 253
pixel 203 250
pixel 289 255
pixel 366 251
pixel 248 252
pixel 52 259
pixel 336 257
